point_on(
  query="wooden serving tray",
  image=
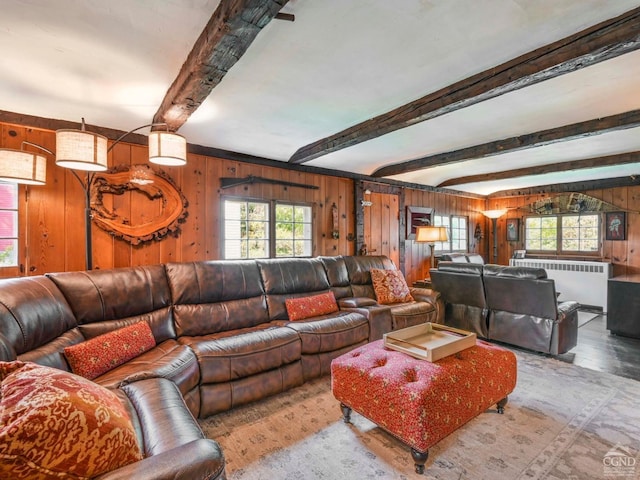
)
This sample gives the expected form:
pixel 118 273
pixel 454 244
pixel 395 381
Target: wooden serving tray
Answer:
pixel 429 341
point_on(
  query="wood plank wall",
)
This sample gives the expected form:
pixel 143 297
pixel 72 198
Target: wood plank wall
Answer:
pixel 54 231
pixel 55 212
pixel 417 255
pixel 622 254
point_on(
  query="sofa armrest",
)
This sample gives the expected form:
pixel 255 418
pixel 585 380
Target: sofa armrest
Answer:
pixel 567 308
pixel 425 295
pixel 200 459
pixel 356 302
pixel 378 316
pixel 430 296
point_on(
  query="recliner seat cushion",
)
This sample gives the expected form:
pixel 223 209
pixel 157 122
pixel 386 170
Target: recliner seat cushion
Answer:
pixel 229 357
pixel 170 360
pixel 331 332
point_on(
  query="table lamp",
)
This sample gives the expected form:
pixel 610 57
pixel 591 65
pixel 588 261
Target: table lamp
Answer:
pixel 430 234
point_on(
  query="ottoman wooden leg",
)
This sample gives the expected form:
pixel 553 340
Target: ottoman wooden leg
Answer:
pixel 346 413
pixel 501 404
pixel 420 458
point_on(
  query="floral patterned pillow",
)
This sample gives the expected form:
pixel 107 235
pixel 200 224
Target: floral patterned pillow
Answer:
pixel 390 286
pixel 54 424
pixel 94 357
pixel 307 307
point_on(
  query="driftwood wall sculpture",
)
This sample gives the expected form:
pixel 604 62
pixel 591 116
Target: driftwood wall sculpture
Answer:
pixel 156 185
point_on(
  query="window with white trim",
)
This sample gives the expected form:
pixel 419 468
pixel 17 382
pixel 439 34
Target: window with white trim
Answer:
pixel 267 229
pixel 560 234
pixel 457 231
pixel 8 224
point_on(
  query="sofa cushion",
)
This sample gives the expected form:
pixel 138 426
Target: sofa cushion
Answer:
pixel 94 357
pixel 390 286
pixel 306 307
pixel 54 424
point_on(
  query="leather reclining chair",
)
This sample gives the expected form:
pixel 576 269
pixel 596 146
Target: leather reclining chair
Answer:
pixel 462 290
pixel 514 305
pixel 523 310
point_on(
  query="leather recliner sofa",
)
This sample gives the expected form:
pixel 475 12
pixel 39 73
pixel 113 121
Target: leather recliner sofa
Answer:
pixel 513 305
pixel 223 337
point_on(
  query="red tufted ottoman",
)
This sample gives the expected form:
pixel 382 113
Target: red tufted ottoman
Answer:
pixel 421 402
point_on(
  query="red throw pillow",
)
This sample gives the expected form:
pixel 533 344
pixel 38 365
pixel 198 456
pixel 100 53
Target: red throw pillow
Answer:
pixel 54 424
pixel 390 286
pixel 307 307
pixel 94 357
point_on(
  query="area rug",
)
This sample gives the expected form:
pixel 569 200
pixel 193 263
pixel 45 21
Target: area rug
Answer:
pixel 561 422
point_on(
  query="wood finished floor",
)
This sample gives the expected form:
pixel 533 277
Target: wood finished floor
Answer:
pixel 597 349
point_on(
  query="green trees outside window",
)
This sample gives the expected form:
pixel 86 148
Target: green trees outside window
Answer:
pixel 563 233
pixel 259 229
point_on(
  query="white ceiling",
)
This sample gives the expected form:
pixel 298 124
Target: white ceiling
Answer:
pixel 340 63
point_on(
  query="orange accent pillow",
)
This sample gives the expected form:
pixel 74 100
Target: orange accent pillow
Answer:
pixel 390 286
pixel 94 357
pixel 54 424
pixel 307 307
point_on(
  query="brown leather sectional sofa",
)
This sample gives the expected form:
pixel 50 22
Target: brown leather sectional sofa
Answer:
pixel 513 305
pixel 222 335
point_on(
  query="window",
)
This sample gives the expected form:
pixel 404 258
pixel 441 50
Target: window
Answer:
pixel 457 230
pixel 246 229
pixel 8 224
pixel 293 230
pixel 262 229
pixel 563 233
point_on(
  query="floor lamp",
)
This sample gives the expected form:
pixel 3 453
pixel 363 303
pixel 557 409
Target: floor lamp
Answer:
pixel 430 235
pixel 87 151
pixel 494 215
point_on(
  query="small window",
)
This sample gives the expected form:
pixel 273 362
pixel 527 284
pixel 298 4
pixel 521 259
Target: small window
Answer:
pixel 246 229
pixel 259 229
pixel 8 224
pixel 293 230
pixel 457 230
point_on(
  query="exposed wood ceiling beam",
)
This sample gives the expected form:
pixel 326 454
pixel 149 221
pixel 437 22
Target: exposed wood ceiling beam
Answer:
pixel 633 157
pixel 225 38
pixel 601 42
pixel 584 186
pixel 565 133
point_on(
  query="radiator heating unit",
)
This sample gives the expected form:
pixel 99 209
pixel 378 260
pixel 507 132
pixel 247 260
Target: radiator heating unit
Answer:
pixel 584 282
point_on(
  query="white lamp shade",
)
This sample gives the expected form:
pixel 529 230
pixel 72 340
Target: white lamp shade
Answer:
pixel 18 166
pixel 81 150
pixel 494 213
pixel 431 234
pixel 167 148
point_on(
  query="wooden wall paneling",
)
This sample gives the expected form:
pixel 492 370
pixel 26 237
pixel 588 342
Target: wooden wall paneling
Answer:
pixel 349 247
pixel 121 205
pixel 144 210
pixel 607 245
pixel 394 229
pixel 316 199
pixel 633 230
pixel 325 222
pixel 268 189
pixel 169 248
pixel 375 220
pixel 192 231
pixel 214 168
pixel 619 248
pixel 56 216
pixel 385 226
